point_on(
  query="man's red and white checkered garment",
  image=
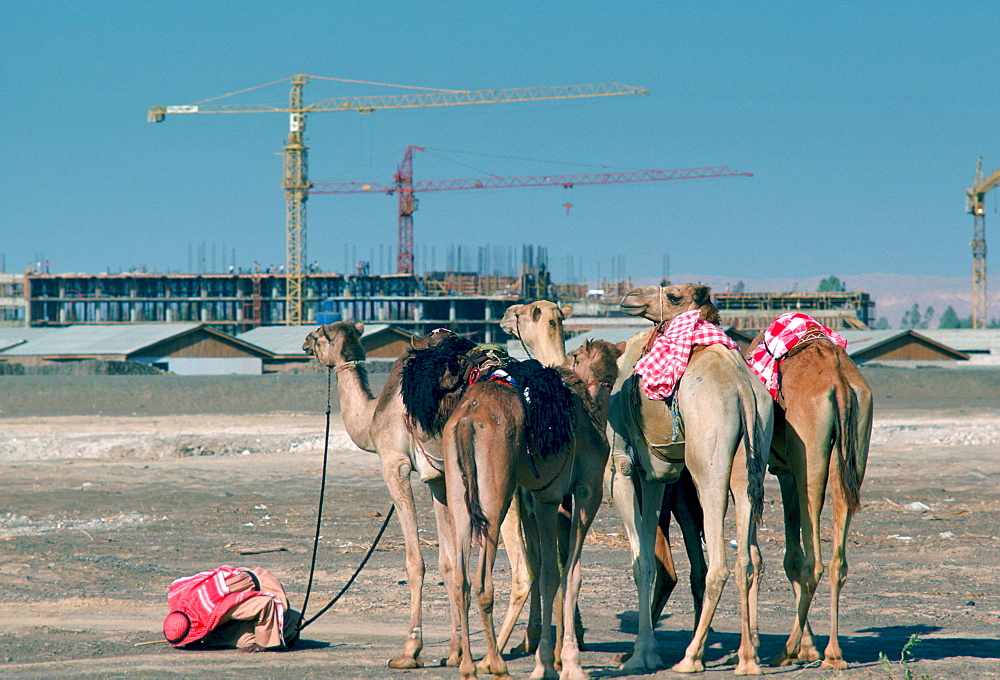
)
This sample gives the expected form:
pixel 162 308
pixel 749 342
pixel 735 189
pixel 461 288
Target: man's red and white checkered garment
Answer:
pixel 662 367
pixel 205 598
pixel 782 335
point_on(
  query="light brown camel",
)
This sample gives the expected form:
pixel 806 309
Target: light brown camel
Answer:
pixel 381 425
pixel 822 427
pixel 491 447
pixel 727 419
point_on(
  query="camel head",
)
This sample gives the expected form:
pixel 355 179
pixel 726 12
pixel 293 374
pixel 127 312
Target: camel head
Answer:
pixel 336 344
pixel 595 361
pixel 539 327
pixel 663 303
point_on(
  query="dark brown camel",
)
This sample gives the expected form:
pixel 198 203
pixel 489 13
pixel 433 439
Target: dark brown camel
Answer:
pixel 491 447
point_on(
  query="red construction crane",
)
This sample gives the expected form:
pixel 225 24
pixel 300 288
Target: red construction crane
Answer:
pixel 405 188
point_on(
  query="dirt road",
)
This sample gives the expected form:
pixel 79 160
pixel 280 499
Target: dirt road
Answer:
pixel 99 513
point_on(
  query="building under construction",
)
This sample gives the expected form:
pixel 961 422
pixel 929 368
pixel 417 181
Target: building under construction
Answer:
pixel 755 311
pixel 466 302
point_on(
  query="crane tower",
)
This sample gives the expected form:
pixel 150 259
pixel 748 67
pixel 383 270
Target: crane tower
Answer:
pixel 296 177
pixel 975 197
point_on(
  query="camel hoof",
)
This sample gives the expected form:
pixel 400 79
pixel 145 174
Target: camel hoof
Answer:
pixel 836 664
pixel 748 668
pixel 636 663
pixel 406 663
pixel 808 655
pixel 780 660
pixel 689 666
pixel 451 661
pixel 523 648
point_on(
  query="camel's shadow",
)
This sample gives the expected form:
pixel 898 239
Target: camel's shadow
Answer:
pixel 861 647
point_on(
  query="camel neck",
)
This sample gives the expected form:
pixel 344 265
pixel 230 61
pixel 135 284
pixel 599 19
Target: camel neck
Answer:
pixel 551 356
pixel 357 404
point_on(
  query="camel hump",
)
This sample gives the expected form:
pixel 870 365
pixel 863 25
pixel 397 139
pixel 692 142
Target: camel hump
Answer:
pixel 428 373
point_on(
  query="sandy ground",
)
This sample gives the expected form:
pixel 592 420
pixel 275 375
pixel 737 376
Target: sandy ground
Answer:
pixel 100 509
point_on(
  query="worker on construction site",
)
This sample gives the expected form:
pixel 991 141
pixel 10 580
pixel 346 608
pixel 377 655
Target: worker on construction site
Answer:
pixel 230 607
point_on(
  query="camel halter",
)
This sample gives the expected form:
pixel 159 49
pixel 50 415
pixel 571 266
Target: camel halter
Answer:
pixel 344 367
pixel 517 327
pixel 319 517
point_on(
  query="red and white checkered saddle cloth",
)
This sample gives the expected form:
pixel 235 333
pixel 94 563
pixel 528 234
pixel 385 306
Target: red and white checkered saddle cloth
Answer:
pixel 781 336
pixel 661 368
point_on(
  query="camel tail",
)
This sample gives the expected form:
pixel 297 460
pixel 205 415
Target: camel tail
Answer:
pixel 849 473
pixel 757 447
pixel 465 446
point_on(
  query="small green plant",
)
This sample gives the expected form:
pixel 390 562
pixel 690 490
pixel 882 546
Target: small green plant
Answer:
pixel 905 656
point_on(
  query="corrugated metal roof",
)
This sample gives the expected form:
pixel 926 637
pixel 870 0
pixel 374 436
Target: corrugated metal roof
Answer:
pixel 12 337
pixel 287 340
pixel 99 340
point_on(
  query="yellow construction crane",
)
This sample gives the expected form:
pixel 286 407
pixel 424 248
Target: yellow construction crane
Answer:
pixel 975 195
pixel 296 177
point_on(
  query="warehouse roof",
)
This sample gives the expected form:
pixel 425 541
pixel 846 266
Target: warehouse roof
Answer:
pixel 88 340
pixel 287 340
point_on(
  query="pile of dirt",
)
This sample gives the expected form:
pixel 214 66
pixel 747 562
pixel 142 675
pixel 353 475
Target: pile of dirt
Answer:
pixel 84 367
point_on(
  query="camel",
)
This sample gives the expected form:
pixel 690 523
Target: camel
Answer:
pixel 382 425
pixel 727 419
pixel 822 427
pixel 494 443
pixel 539 328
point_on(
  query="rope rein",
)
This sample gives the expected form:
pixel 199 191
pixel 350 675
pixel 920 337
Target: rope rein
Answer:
pixel 319 515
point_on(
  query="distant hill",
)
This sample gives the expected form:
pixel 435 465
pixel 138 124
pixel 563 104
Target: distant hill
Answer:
pixel 893 294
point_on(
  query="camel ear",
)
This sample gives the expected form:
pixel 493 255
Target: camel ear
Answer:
pixel 535 313
pixel 360 325
pixel 567 311
pixel 621 347
pixel 702 295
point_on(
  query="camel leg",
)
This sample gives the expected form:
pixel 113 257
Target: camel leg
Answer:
pixel 396 473
pixel 586 502
pixel 687 510
pixel 833 657
pixel 495 508
pixel 641 517
pixel 809 458
pixel 529 523
pixel 446 564
pixel 797 647
pixel 545 514
pixel 748 566
pixel 665 578
pixel 521 578
pixel 460 587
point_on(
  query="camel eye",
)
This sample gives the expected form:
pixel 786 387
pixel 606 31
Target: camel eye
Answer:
pixel 673 299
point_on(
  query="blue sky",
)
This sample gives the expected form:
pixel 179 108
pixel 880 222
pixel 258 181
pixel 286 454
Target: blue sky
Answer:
pixel 861 123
